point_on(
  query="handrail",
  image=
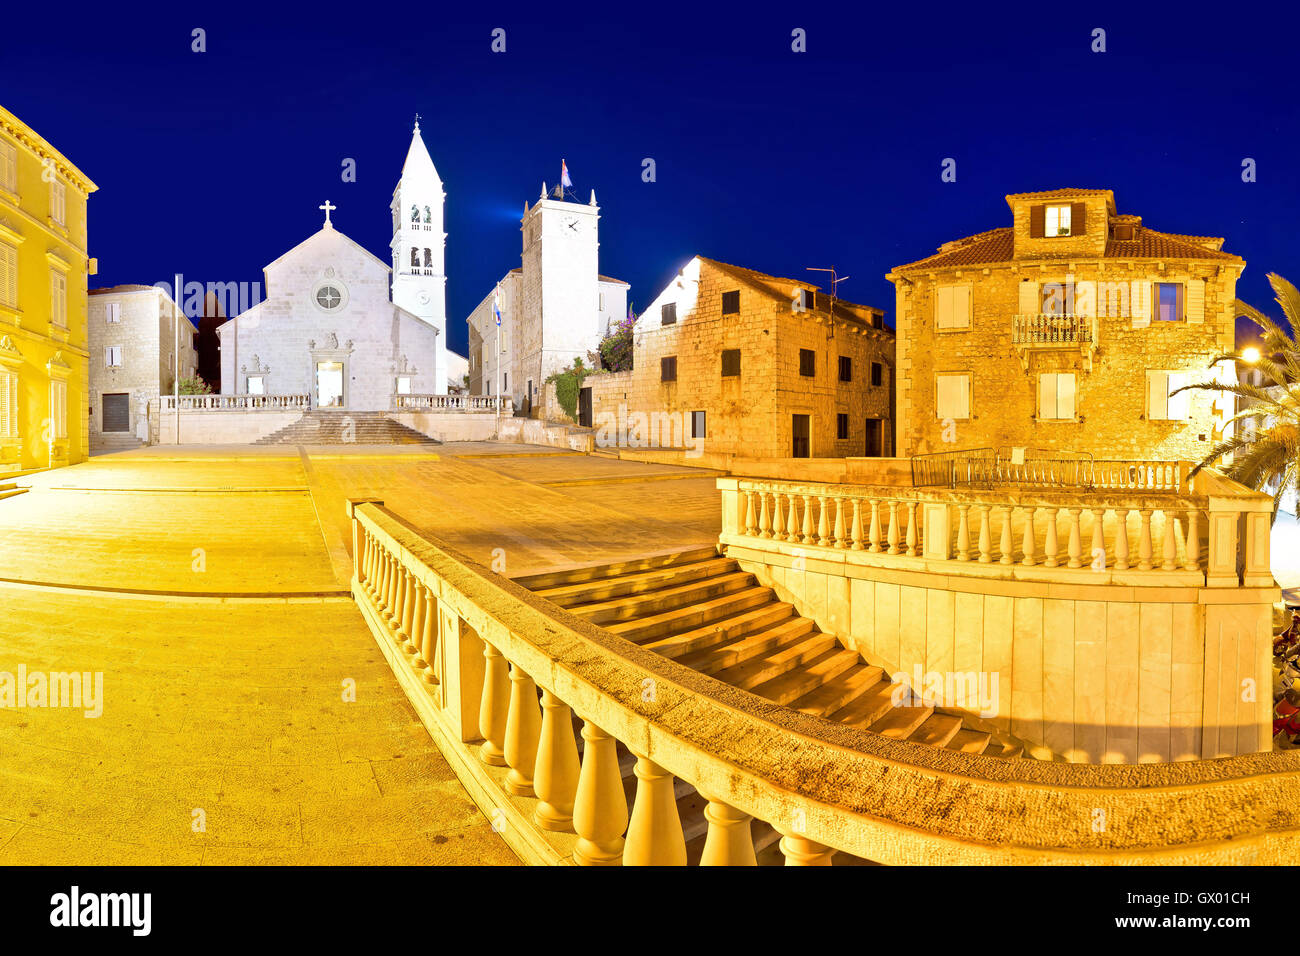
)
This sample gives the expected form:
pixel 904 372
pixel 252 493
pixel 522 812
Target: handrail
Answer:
pixel 472 403
pixel 237 402
pixel 827 787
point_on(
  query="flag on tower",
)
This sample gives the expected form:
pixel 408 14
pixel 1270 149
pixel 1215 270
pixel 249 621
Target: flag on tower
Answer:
pixel 496 305
pixel 565 181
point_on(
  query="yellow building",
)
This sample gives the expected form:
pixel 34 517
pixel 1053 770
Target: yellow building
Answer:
pixel 43 337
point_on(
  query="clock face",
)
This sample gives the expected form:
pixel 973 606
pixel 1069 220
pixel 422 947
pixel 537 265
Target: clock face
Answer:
pixel 422 298
pixel 572 226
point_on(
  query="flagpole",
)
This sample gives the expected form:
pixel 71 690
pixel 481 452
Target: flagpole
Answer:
pixel 176 355
pixel 497 309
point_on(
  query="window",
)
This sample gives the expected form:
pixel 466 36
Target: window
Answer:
pixel 113 356
pixel 171 361
pixel 668 369
pixel 8 276
pixel 1056 396
pixel 807 362
pixel 505 382
pixel 846 368
pixel 8 166
pixel 1161 405
pixel 731 303
pixel 730 362
pixel 58 201
pixel 601 306
pixel 952 307
pixel 403 385
pixel 58 298
pixel 697 425
pixel 330 298
pixel 1057 298
pixel 59 408
pixel 8 403
pixel 256 385
pixel 1056 221
pixel 668 313
pixel 877 374
pixel 114 311
pixel 1169 301
pixel 841 426
pixel 952 395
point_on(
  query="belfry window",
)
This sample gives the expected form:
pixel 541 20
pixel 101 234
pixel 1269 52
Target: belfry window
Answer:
pixel 428 258
pixel 415 213
pixel 415 257
pixel 428 214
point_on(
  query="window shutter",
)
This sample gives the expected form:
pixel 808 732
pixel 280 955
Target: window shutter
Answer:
pixel 1195 303
pixel 1065 395
pixel 1029 302
pixel 943 308
pixel 961 307
pixel 1140 304
pixel 1180 405
pixel 1078 219
pixel 8 275
pixel 1047 395
pixel 1157 395
pixel 1037 215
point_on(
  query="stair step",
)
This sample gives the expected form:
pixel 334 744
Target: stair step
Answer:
pixel 969 741
pixel 568 595
pixel 937 731
pixel 667 599
pixel 678 646
pixel 834 694
pixel 600 572
pixel 790 631
pixel 695 616
pixel 902 722
pixel 752 673
pixel 1001 747
pixel 867 708
pixel 818 671
pixel 13 493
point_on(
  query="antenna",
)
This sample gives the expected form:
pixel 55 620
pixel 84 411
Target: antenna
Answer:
pixel 835 281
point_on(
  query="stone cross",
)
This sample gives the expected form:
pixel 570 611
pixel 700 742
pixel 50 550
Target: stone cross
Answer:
pixel 328 209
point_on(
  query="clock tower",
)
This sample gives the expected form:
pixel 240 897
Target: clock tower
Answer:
pixel 560 317
pixel 419 279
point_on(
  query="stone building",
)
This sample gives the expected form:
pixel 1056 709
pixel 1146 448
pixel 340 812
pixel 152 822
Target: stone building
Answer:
pixel 43 276
pixel 133 361
pixel 555 307
pixel 1068 331
pixel 329 326
pixel 729 360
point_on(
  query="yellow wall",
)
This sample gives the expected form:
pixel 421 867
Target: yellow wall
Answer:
pixel 31 342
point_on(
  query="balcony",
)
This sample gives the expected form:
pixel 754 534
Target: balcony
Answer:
pixel 1054 331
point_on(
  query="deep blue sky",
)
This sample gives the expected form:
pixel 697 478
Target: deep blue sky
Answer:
pixel 213 164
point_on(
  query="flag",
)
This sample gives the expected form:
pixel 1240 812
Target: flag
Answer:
pixel 496 305
pixel 565 181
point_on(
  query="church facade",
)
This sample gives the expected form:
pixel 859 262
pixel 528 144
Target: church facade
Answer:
pixel 341 325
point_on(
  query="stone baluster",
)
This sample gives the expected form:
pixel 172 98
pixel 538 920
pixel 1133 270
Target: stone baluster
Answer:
pixel 1144 540
pixel 792 519
pixel 857 525
pixel 429 639
pixel 407 626
pixel 494 708
pixel 368 563
pixel 807 520
pixel 556 780
pixel 1027 543
pixel 398 599
pixel 654 836
pixel 874 533
pixel 986 537
pixel 1074 547
pixel 599 806
pixel 1121 539
pixel 839 523
pixel 801 851
pixel 778 519
pixel 1169 551
pixel 963 533
pixel 751 526
pixel 911 529
pixel 892 536
pixel 421 611
pixel 729 842
pixel 1192 560
pixel 764 517
pixel 1051 547
pixel 523 727
pixel 1099 536
pixel 823 529
pixel 1004 545
pixel 386 571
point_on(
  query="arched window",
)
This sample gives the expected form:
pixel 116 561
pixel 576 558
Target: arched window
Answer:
pixel 415 257
pixel 428 258
pixel 415 213
pixel 428 214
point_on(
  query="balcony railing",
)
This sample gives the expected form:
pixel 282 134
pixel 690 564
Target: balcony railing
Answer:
pixel 237 403
pixel 461 403
pixel 1045 468
pixel 1045 329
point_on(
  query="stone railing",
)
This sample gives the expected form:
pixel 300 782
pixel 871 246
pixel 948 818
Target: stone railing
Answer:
pixel 460 403
pixel 1050 329
pixel 473 651
pixel 1139 518
pixel 237 403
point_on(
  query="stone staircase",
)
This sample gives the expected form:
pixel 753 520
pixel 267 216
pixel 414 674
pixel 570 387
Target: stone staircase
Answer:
pixel 702 610
pixel 109 442
pixel 9 489
pixel 318 427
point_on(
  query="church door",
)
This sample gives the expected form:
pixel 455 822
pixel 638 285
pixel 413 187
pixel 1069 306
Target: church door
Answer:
pixel 329 384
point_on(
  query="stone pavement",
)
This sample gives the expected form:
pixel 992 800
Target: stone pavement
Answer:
pixel 203 584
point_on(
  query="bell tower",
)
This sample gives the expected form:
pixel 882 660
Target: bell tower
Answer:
pixel 419 279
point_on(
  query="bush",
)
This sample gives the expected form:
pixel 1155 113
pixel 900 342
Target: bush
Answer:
pixel 616 347
pixel 194 386
pixel 567 385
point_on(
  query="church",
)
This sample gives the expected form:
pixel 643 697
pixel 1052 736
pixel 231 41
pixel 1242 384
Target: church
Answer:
pixel 343 326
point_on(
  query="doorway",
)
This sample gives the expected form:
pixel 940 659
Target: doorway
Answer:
pixel 584 407
pixel 117 413
pixel 329 384
pixel 875 447
pixel 801 428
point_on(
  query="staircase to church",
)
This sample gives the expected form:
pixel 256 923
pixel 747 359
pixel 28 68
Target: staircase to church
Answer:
pixel 318 427
pixel 702 610
pixel 108 442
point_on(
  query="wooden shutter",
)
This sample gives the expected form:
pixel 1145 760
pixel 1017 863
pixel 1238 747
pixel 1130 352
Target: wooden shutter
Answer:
pixel 1140 304
pixel 7 417
pixel 943 307
pixel 1179 406
pixel 8 275
pixel 1195 301
pixel 1037 217
pixel 961 307
pixel 1047 395
pixel 1065 395
pixel 952 396
pixel 1029 301
pixel 1078 219
pixel 1157 395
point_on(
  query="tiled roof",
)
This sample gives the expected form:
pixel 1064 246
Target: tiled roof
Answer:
pixel 129 287
pixel 781 289
pixel 1150 244
pixel 985 247
pixel 1068 192
pixel 609 279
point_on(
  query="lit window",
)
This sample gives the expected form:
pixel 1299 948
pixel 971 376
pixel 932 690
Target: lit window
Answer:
pixel 8 403
pixel 1056 221
pixel 1169 301
pixel 59 409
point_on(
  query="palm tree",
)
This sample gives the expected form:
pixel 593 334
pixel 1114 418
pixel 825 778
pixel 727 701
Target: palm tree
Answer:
pixel 1267 457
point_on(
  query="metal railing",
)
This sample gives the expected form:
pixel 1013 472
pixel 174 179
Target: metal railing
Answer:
pixel 1052 329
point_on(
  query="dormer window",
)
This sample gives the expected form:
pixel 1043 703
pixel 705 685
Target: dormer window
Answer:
pixel 1056 221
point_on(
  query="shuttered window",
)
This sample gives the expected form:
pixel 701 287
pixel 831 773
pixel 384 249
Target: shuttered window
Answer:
pixel 1194 300
pixel 1140 304
pixel 730 362
pixel 846 368
pixel 1029 302
pixel 8 276
pixel 952 395
pixel 59 409
pixel 668 368
pixel 8 166
pixel 1161 405
pixel 1169 301
pixel 8 403
pixel 841 426
pixel 807 362
pixel 668 313
pixel 877 374
pixel 731 302
pixel 113 356
pixel 952 307
pixel 58 298
pixel 58 202
pixel 697 425
pixel 1056 395
pixel 114 311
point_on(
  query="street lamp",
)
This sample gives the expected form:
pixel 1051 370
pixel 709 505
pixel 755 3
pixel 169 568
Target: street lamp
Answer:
pixel 1250 355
